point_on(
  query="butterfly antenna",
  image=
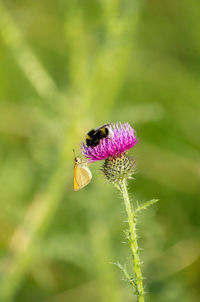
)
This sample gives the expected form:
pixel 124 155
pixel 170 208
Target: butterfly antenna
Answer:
pixel 75 154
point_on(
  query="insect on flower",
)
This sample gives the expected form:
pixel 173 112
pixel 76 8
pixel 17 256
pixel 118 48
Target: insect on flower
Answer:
pixel 123 138
pixel 82 174
pixel 94 136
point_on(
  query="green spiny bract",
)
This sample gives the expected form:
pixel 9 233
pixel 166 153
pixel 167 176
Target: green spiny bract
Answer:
pixel 118 168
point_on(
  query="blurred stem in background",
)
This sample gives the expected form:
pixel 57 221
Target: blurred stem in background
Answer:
pixel 34 71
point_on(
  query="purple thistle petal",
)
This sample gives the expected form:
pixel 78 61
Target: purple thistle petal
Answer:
pixel 123 139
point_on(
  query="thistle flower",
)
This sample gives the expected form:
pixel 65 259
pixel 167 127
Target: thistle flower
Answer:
pixel 113 149
pixel 122 138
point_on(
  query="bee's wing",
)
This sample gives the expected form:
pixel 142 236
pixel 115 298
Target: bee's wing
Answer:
pixel 105 131
pixel 82 177
pixel 106 125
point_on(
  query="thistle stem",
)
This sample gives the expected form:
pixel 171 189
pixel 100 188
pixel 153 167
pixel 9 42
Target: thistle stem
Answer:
pixel 138 279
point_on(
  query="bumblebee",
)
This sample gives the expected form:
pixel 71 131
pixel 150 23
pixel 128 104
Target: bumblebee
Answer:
pixel 94 137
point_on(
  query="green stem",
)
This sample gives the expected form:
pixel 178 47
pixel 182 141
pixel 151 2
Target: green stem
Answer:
pixel 138 280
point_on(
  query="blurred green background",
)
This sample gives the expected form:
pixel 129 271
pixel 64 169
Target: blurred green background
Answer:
pixel 67 67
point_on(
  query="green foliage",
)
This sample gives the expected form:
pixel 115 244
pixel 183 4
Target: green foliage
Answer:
pixel 66 67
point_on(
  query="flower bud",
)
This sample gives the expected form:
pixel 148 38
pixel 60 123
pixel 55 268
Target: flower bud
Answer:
pixel 118 168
